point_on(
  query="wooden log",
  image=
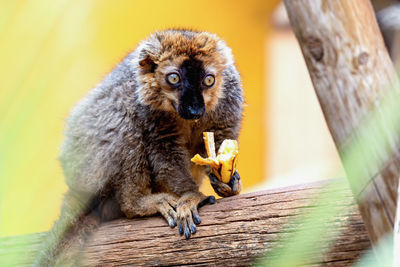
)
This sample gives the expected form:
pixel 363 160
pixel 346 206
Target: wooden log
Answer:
pixel 351 71
pixel 234 232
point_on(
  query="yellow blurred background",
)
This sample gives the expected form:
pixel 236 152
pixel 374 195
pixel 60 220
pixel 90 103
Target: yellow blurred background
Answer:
pixel 52 52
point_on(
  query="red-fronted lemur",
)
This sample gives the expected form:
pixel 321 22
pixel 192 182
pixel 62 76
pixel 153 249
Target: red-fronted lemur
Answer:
pixel 129 142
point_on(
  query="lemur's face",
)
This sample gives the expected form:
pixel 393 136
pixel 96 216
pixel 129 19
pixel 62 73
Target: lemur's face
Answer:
pixel 182 72
pixel 189 87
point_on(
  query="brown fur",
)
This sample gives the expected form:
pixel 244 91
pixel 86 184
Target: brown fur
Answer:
pixel 177 49
pixel 128 146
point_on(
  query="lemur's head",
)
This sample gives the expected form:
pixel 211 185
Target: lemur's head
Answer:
pixel 181 71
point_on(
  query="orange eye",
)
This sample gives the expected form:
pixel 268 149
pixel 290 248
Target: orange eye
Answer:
pixel 173 78
pixel 209 80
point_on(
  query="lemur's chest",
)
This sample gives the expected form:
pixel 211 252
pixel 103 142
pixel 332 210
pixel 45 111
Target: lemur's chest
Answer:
pixel 192 137
pixel 192 141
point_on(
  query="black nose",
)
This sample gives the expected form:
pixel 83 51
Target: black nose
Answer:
pixel 195 112
pixel 191 103
pixel 191 112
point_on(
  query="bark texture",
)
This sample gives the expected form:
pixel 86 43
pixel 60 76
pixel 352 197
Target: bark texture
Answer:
pixel 234 232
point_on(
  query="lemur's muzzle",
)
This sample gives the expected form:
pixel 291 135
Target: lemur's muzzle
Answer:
pixel 191 106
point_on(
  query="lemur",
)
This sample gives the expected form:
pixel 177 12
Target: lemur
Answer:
pixel 129 142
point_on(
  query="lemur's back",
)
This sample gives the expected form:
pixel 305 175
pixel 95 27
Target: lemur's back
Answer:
pixel 96 131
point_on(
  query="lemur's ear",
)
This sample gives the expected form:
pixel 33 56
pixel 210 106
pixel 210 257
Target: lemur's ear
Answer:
pixel 147 64
pixel 150 53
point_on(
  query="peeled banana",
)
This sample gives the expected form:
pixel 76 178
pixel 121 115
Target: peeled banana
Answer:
pixel 223 164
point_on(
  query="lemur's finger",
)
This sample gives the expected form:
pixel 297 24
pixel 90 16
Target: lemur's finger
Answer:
pixel 196 216
pixel 182 224
pixel 215 183
pixel 235 183
pixel 168 213
pixel 171 223
pixel 191 225
pixel 173 202
pixel 173 218
pixel 186 229
pixel 222 189
pixel 180 227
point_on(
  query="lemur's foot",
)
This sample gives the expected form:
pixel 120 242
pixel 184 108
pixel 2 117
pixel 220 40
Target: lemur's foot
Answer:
pixel 188 215
pixel 226 190
pixel 167 206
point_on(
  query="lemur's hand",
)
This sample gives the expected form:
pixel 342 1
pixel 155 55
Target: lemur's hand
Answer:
pixel 223 164
pixel 233 187
pixel 166 205
pixel 187 213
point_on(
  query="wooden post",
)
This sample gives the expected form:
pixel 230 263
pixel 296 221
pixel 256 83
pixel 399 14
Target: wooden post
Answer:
pixel 351 71
pixel 234 232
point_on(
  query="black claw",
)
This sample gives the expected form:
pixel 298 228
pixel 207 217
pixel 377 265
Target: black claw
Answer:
pixel 187 233
pixel 196 219
pixel 193 228
pixel 180 228
pixel 172 223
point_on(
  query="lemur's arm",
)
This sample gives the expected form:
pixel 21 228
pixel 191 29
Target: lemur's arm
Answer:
pixel 235 185
pixel 170 170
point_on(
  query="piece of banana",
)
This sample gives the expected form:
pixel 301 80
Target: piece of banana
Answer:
pixel 223 164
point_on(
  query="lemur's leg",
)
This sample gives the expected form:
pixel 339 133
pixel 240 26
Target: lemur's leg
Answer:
pixel 173 174
pixel 144 205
